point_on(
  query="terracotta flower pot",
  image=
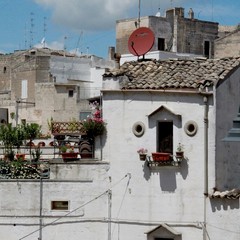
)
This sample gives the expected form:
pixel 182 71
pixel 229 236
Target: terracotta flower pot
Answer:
pixel 20 156
pixel 142 157
pixel 69 156
pixel 179 154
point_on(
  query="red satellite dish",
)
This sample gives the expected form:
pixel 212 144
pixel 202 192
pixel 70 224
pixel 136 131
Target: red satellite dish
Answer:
pixel 140 41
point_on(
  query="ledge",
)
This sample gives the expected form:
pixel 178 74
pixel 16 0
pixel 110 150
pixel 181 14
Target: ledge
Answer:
pixel 79 161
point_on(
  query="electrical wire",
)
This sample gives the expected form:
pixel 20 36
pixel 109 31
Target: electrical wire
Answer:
pixel 120 207
pixel 86 203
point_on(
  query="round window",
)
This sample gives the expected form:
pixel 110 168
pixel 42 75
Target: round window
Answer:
pixel 138 129
pixel 191 128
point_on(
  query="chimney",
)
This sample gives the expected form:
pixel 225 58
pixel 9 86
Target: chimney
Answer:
pixel 191 14
pixel 111 52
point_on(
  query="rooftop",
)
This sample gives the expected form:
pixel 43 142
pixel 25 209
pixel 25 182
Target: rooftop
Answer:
pixel 175 73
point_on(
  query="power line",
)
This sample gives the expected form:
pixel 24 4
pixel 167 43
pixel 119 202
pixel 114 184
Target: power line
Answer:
pixel 74 210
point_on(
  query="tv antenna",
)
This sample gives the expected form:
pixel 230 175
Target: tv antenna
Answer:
pixel 31 29
pixel 139 12
pixel 44 31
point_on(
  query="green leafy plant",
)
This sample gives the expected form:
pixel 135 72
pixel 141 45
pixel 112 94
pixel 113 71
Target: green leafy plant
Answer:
pixel 180 147
pixel 11 137
pixel 36 155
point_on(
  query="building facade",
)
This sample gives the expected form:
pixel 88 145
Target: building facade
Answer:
pixel 40 84
pixel 173 33
pixel 156 105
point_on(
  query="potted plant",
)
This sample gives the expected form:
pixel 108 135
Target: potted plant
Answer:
pixel 68 153
pixel 32 131
pixel 179 151
pixel 36 155
pixel 11 137
pixel 142 153
pixel 94 125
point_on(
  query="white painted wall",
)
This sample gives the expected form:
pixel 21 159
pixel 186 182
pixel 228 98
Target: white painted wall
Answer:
pixel 84 186
pixel 168 194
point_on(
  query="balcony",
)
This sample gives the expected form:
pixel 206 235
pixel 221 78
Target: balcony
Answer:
pixel 161 159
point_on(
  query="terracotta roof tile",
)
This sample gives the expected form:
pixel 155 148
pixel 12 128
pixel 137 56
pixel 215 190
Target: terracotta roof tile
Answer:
pixel 165 74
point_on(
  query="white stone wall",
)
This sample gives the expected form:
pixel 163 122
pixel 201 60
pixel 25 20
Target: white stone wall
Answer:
pixel 84 186
pixel 172 195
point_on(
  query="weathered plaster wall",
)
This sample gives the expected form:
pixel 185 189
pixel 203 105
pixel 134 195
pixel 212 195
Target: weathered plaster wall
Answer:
pixel 228 46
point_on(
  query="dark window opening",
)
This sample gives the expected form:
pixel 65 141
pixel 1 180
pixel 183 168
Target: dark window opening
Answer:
pixel 4 70
pixel 206 49
pixel 70 93
pixel 163 238
pixel 161 44
pixel 59 205
pixel 165 137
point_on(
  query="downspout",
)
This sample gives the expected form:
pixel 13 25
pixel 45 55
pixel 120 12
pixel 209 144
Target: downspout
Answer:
pixel 109 213
pixel 206 107
pixel 205 100
pixel 40 209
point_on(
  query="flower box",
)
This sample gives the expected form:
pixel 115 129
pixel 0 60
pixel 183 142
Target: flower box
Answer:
pixel 69 156
pixel 161 156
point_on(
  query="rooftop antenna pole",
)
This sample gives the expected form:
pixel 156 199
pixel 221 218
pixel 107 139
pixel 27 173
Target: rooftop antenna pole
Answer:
pixel 31 29
pixel 139 10
pixel 212 10
pixel 44 31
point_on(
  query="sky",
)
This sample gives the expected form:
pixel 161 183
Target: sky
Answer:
pixel 88 26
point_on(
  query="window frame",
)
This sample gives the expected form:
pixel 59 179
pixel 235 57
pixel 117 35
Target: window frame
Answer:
pixel 53 202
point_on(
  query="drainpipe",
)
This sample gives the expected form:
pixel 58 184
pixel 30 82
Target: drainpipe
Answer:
pixel 109 213
pixel 205 100
pixel 40 209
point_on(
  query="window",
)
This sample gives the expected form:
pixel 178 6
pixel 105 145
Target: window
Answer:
pixel 165 137
pixel 24 89
pixel 78 93
pixel 70 93
pixel 4 70
pixel 59 205
pixel 163 238
pixel 84 115
pixel 161 44
pixel 206 49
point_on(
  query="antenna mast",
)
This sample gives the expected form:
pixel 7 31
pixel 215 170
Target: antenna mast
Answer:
pixel 44 31
pixel 31 29
pixel 139 11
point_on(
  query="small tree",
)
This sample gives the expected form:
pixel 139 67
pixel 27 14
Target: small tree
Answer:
pixel 32 131
pixel 11 137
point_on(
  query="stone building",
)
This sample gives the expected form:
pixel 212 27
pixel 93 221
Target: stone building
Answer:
pixel 40 84
pixel 156 105
pixel 173 33
pixel 228 45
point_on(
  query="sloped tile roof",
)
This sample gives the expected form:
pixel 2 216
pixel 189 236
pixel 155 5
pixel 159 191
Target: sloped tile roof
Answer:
pixel 166 74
